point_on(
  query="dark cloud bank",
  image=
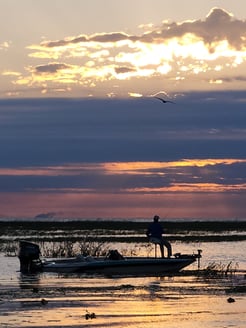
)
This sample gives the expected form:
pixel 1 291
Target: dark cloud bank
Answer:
pixel 58 145
pixel 60 131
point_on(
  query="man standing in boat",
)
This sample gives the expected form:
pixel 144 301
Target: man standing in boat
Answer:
pixel 154 233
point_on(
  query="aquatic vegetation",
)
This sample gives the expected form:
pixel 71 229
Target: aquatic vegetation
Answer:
pixel 57 249
pixel 9 249
pixel 93 248
pixel 115 231
pixel 84 247
pixel 219 269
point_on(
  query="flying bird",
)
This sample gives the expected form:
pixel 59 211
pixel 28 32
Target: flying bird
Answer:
pixel 165 101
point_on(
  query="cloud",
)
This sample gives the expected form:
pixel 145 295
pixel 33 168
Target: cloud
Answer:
pixel 233 79
pixel 52 68
pixel 135 95
pixel 200 175
pixel 65 42
pixel 187 54
pixel 98 154
pixel 100 38
pixel 48 215
pixel 111 37
pixel 219 25
pixel 112 130
pixel 123 70
pixel 4 45
pixel 11 73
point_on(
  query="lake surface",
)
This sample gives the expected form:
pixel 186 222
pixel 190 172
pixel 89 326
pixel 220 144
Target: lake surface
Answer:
pixel 52 300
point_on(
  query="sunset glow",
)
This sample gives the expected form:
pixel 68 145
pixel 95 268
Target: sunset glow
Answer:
pixel 140 111
pixel 176 51
pixel 178 178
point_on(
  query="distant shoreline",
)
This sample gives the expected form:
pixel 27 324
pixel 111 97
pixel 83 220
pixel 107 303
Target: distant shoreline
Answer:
pixel 197 225
pixel 40 218
pixel 121 231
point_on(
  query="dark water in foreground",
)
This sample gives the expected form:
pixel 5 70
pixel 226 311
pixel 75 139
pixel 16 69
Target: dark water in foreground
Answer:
pixel 178 301
pixel 186 300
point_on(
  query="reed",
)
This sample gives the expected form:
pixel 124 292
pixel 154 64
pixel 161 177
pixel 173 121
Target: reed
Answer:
pixel 83 247
pixel 219 269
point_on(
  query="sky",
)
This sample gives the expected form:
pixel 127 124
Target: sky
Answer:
pixel 82 132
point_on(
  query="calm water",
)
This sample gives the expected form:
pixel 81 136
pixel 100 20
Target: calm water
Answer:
pixel 178 301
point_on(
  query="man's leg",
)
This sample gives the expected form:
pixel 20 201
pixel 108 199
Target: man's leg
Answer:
pixel 168 246
pixel 162 250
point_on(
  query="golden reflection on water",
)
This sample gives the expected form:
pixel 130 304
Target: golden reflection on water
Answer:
pixel 181 301
pixel 188 311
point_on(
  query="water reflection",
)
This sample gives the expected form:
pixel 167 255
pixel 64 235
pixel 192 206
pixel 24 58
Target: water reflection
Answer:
pixel 187 301
pixel 30 281
pixel 146 302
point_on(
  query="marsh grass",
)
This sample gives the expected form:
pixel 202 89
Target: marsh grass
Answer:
pixel 84 247
pixel 220 269
pixel 87 247
pixel 9 249
pixel 59 239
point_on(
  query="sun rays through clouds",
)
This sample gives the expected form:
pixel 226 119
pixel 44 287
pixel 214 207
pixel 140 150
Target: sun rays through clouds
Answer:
pixel 190 55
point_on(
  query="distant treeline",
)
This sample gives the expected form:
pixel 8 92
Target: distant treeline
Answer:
pixel 169 226
pixel 176 230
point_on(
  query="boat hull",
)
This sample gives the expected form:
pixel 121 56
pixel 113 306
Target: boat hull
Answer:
pixel 128 266
pixel 113 264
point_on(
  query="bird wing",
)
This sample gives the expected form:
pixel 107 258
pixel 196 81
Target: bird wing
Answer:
pixel 165 101
pixel 160 99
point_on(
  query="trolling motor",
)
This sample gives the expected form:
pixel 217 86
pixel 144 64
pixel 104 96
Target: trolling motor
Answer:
pixel 198 256
pixel 29 257
pixel 195 256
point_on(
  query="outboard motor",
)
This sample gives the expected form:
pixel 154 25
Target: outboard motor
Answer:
pixel 29 257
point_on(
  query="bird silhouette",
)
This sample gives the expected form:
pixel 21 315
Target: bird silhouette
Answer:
pixel 165 101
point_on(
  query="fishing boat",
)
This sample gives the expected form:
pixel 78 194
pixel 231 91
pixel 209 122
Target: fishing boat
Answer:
pixel 113 264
